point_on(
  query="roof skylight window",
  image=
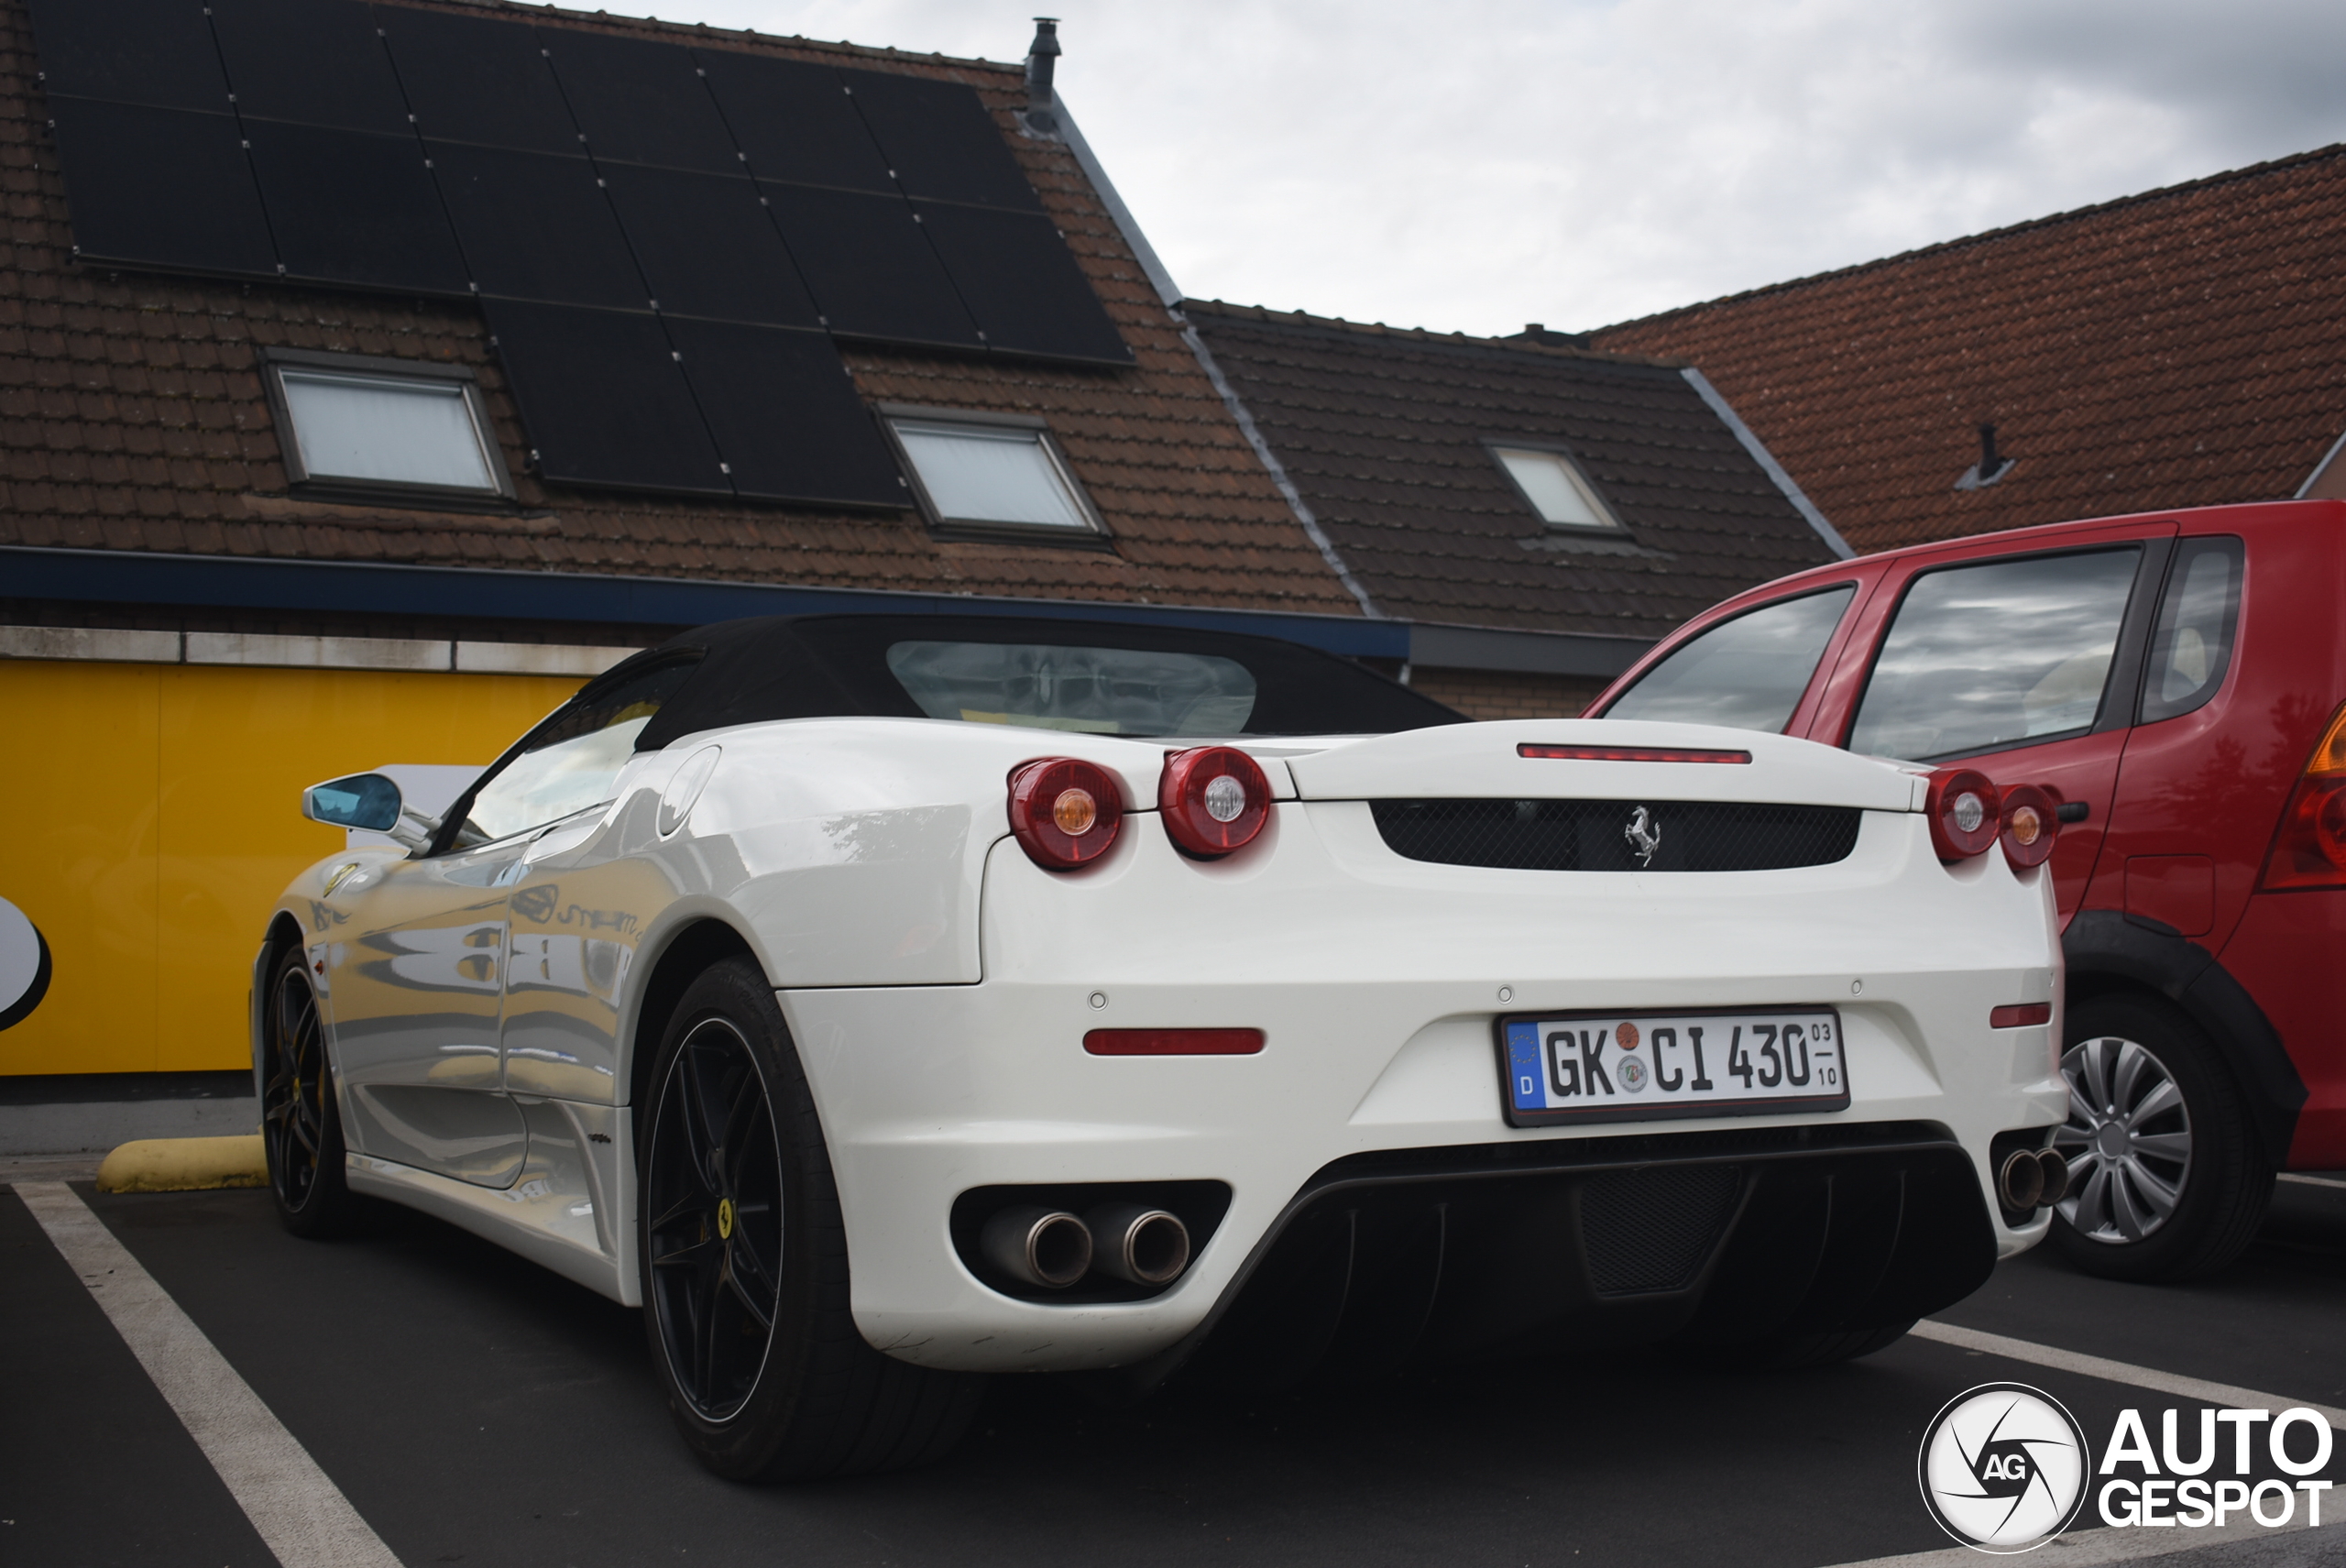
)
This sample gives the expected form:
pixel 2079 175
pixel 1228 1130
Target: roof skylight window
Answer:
pixel 383 427
pixel 1555 488
pixel 990 473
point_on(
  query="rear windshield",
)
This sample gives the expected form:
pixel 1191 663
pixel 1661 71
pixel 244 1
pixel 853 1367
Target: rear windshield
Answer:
pixel 1084 676
pixel 1096 691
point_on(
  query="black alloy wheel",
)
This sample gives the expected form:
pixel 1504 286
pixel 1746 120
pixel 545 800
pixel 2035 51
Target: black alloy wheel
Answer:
pixel 713 1189
pixel 300 1124
pixel 742 1260
pixel 2168 1179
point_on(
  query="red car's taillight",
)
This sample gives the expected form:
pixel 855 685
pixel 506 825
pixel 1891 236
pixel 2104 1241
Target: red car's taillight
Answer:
pixel 1963 811
pixel 1065 811
pixel 2309 848
pixel 2031 823
pixel 1214 799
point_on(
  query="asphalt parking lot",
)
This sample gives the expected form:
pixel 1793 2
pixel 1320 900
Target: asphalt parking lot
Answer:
pixel 474 1408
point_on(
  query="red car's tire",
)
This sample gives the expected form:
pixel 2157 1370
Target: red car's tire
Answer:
pixel 2168 1179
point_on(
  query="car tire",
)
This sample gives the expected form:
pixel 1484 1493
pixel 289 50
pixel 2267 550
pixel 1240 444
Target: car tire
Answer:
pixel 301 1123
pixel 742 1256
pixel 2168 1179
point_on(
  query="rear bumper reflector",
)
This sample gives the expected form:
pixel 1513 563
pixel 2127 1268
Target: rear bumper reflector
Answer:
pixel 2020 1015
pixel 1173 1042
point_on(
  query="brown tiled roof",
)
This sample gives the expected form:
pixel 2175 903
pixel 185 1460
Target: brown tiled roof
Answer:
pixel 132 415
pixel 2184 347
pixel 1382 431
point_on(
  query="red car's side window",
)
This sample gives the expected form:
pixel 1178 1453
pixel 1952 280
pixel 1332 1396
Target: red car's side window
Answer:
pixel 1997 654
pixel 2191 646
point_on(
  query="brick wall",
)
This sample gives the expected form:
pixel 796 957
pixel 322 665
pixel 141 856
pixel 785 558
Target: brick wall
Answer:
pixel 1488 694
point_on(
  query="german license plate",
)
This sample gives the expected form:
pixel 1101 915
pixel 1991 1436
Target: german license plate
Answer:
pixel 1638 1067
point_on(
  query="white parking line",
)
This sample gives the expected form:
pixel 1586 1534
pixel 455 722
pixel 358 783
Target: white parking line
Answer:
pixel 2195 1388
pixel 2312 1181
pixel 2087 1548
pixel 302 1515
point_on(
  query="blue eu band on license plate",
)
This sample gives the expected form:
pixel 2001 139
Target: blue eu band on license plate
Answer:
pixel 1651 1065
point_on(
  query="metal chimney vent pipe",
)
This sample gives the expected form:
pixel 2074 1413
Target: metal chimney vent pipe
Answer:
pixel 1990 462
pixel 1992 465
pixel 1042 56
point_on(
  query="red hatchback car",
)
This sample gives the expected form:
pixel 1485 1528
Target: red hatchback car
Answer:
pixel 2175 681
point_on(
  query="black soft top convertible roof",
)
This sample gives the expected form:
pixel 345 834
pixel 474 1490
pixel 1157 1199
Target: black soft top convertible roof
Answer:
pixel 835 667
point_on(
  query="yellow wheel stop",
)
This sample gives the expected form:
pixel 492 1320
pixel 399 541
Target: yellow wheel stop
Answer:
pixel 184 1164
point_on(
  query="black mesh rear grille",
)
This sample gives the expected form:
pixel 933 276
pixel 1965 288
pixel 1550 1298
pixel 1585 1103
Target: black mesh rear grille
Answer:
pixel 1595 835
pixel 1651 1230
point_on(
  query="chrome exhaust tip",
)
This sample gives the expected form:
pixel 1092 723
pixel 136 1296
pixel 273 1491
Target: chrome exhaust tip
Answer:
pixel 2056 1175
pixel 1141 1246
pixel 1035 1245
pixel 2019 1185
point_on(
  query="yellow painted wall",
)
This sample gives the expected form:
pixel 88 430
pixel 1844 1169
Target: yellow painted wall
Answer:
pixel 150 816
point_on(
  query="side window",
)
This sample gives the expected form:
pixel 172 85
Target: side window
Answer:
pixel 1996 654
pixel 2192 645
pixel 569 761
pixel 1747 672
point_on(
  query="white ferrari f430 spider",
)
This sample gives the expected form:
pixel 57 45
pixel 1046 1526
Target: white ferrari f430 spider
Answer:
pixel 881 1002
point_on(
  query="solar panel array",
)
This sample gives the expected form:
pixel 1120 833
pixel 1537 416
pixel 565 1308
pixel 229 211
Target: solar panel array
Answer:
pixel 664 239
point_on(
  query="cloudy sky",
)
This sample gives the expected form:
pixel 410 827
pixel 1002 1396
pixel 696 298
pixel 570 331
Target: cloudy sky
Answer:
pixel 1478 164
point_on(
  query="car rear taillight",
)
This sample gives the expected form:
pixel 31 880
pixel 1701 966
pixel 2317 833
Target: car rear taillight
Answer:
pixel 1963 812
pixel 1065 811
pixel 2031 823
pixel 2309 848
pixel 1214 799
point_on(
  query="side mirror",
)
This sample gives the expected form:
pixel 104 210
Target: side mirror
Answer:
pixel 366 801
pixel 369 803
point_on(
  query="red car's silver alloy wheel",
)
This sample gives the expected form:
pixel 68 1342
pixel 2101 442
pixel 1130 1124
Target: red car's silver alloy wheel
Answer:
pixel 713 1190
pixel 2128 1141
